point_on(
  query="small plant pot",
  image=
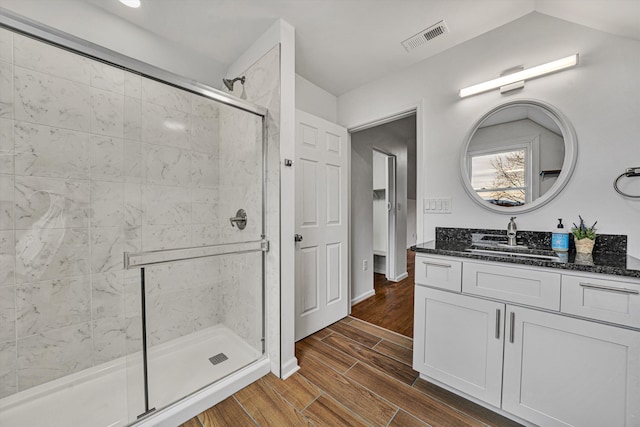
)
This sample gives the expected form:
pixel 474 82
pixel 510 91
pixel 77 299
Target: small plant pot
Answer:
pixel 584 259
pixel 585 246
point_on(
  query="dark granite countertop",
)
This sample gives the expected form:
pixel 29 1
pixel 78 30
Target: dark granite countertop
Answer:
pixel 603 261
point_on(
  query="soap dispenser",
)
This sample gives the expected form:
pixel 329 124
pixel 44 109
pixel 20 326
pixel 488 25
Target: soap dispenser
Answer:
pixel 511 232
pixel 560 238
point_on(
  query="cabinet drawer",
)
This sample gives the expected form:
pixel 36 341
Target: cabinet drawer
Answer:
pixel 530 287
pixel 442 273
pixel 607 300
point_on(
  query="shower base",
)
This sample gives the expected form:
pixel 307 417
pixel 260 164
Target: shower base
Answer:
pixel 111 394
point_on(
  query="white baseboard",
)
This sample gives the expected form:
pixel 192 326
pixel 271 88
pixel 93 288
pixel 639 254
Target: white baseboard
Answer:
pixel 362 297
pixel 401 277
pixel 289 368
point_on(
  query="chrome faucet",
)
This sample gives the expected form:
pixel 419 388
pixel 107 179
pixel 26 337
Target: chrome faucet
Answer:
pixel 511 232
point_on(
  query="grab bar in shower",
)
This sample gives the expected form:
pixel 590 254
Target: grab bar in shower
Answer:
pixel 143 259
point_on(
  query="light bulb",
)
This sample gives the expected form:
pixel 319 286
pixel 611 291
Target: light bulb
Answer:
pixel 131 3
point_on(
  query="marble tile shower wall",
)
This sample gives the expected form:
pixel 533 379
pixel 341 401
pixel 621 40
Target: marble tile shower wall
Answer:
pixel 96 161
pixel 241 300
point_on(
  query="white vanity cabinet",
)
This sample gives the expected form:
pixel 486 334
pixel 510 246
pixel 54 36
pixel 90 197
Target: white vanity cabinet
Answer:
pixel 458 340
pixel 561 371
pixel 547 363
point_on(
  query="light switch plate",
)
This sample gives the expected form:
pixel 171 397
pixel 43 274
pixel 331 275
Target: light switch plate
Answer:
pixel 437 206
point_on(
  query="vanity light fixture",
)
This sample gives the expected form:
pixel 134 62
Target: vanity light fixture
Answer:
pixel 131 3
pixel 516 80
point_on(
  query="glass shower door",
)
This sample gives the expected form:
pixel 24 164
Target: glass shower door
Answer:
pixel 197 284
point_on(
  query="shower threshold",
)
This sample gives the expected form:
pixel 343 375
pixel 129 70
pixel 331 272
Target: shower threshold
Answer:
pixel 111 394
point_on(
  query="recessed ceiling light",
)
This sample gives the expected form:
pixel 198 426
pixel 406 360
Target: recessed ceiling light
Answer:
pixel 131 3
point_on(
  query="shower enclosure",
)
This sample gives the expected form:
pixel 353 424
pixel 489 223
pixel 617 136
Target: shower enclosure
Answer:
pixel 127 279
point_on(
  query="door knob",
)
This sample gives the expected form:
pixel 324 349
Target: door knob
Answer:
pixel 297 238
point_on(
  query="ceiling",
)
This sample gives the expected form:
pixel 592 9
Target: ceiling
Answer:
pixel 343 44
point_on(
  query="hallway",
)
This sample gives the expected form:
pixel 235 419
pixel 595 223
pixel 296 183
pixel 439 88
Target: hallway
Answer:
pixel 392 306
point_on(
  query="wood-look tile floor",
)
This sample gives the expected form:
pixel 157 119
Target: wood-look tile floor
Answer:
pixel 392 305
pixel 352 373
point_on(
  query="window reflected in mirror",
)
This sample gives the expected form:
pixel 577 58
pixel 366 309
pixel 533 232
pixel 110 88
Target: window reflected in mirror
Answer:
pixel 500 178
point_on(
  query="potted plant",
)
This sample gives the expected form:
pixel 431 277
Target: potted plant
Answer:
pixel 584 237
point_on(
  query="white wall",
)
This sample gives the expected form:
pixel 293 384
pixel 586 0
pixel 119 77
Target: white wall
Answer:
pixel 315 100
pixel 93 24
pixel 600 97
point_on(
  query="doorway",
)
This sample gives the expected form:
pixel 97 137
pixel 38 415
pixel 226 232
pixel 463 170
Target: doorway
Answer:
pixel 394 142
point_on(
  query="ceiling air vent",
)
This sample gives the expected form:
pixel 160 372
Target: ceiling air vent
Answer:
pixel 424 36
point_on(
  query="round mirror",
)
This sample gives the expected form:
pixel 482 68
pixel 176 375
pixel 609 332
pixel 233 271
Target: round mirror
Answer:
pixel 518 156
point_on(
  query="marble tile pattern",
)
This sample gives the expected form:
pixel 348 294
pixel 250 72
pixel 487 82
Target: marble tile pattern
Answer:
pixel 46 151
pixel 6 90
pixel 6 146
pixel 96 161
pixel 6 46
pixel 7 183
pixel 53 101
pixel 8 368
pixel 263 88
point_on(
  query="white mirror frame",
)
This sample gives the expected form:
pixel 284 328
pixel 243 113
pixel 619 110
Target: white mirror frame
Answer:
pixel 568 165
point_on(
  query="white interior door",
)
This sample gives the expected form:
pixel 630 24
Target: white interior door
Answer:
pixel 322 232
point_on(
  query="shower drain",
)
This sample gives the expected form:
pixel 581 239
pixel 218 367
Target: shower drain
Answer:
pixel 218 358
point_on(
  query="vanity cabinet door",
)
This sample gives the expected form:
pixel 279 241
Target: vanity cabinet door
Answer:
pixel 560 371
pixel 458 340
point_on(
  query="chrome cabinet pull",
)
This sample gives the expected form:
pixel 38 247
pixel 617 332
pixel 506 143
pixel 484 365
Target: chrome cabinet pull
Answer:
pixel 437 264
pixel 497 323
pixel 611 289
pixel 512 322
